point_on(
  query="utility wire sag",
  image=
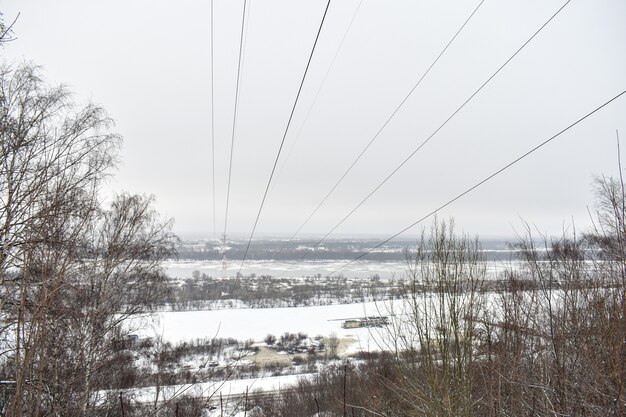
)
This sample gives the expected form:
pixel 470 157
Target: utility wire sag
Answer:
pixel 391 116
pixel 481 182
pixel 232 142
pixel 213 120
pixel 293 109
pixel 319 90
pixel 440 127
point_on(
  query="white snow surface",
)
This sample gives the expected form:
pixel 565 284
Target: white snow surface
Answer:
pixel 235 387
pixel 255 324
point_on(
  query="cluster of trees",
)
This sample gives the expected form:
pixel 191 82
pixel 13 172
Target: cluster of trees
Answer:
pixel 157 363
pixel 72 269
pixel 292 343
pixel 550 341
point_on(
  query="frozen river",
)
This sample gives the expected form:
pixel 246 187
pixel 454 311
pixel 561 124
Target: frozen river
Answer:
pixel 364 269
pixel 359 269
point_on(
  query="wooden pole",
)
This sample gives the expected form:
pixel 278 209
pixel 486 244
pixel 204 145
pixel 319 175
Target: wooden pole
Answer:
pixel 122 405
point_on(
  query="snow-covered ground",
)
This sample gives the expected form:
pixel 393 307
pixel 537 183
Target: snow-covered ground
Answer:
pixel 255 324
pixel 244 324
pixel 236 387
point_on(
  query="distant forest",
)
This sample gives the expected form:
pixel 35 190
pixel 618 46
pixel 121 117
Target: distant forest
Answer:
pixel 280 249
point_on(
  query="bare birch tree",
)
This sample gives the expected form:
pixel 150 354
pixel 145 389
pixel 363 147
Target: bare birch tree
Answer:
pixel 71 272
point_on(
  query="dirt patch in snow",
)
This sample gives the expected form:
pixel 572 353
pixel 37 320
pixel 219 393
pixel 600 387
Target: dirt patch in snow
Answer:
pixel 267 355
pixel 344 344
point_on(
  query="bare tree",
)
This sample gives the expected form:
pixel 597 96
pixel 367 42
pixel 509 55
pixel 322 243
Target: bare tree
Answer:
pixel 332 346
pixel 556 344
pixel 71 272
pixel 435 337
pixel 53 158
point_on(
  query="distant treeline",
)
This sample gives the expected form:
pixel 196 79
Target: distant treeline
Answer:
pixel 252 291
pixel 332 250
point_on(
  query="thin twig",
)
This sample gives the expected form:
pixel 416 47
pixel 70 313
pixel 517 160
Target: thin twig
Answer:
pixel 9 30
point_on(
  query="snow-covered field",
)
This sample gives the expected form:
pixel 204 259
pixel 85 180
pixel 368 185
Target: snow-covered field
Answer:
pixel 236 387
pixel 244 324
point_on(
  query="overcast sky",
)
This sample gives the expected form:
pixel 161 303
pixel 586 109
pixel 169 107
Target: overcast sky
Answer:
pixel 149 64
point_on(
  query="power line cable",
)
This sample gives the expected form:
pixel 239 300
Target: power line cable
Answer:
pixel 481 182
pixel 293 109
pixel 232 142
pixel 391 116
pixel 306 118
pixel 440 127
pixel 213 121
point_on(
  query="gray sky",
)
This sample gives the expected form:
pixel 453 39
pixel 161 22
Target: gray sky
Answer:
pixel 148 63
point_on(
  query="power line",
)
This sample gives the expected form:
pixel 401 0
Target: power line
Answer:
pixel 212 121
pixel 232 142
pixel 391 116
pixel 321 87
pixel 478 184
pixel 293 109
pixel 440 127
